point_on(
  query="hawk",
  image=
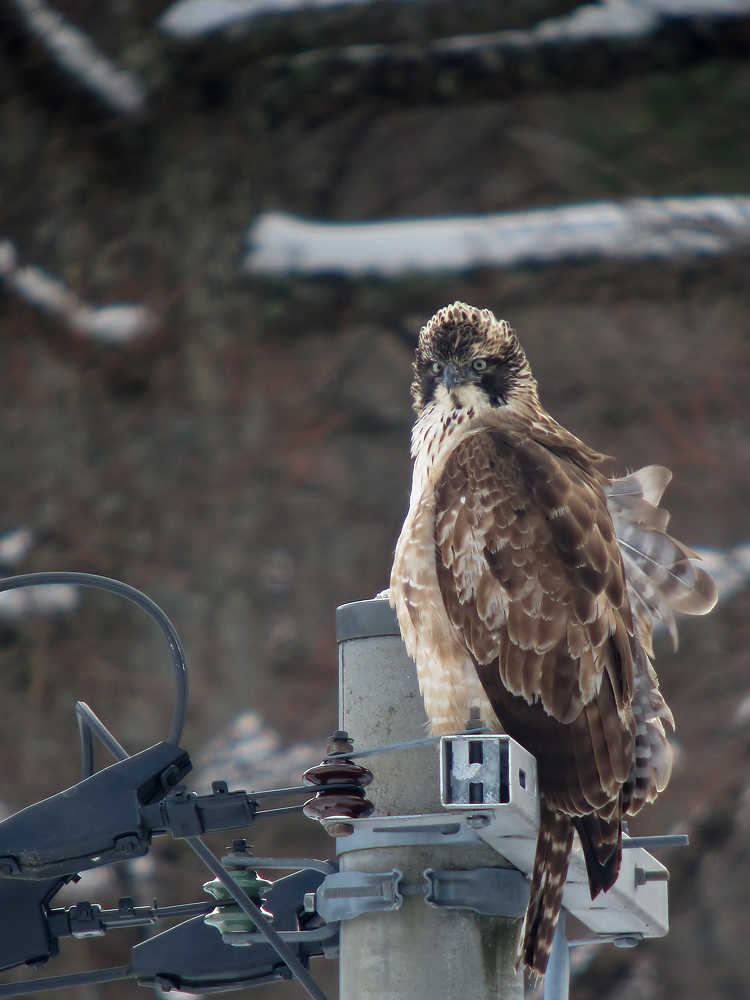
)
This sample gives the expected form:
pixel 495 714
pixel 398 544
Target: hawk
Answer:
pixel 527 584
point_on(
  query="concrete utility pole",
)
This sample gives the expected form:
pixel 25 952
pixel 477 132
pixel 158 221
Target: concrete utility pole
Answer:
pixel 415 951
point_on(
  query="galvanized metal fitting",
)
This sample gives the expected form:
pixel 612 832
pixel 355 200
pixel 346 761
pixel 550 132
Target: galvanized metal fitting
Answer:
pixel 345 895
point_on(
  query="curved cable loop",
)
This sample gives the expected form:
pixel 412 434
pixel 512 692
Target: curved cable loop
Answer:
pixel 135 597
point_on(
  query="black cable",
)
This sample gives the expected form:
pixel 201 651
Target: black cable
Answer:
pixel 88 724
pixel 136 597
pixel 64 982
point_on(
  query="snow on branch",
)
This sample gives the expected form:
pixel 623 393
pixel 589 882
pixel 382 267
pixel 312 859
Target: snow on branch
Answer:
pixel 249 753
pixel 30 602
pixel 74 52
pixel 38 602
pixel 396 20
pixel 666 228
pixel 115 324
pixel 15 547
pixel 596 43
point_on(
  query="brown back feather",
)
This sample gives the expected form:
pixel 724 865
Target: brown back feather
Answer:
pixel 531 575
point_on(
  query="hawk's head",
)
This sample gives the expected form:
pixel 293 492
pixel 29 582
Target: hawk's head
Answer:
pixel 466 357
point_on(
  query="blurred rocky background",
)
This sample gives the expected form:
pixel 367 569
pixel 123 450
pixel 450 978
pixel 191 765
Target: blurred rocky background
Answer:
pixel 232 437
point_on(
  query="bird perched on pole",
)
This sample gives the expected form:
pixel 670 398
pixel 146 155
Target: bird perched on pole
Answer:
pixel 527 584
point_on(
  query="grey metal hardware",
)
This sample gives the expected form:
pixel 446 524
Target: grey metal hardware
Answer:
pixel 324 933
pixel 501 892
pixel 641 876
pixel 496 892
pixel 557 980
pixel 660 840
pixel 255 861
pixel 489 772
pixel 476 771
pixel 344 895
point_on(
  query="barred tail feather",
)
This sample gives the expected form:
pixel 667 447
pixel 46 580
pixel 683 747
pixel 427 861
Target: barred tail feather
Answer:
pixel 553 846
pixel 661 575
pixel 646 484
pixel 601 841
pixel 661 578
pixel 652 756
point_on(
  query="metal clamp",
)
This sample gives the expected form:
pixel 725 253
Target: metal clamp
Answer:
pixel 344 895
pixel 496 892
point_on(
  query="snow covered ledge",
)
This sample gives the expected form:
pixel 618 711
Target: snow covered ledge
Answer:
pixel 641 228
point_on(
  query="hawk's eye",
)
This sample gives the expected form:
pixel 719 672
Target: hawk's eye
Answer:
pixel 480 365
pixel 436 367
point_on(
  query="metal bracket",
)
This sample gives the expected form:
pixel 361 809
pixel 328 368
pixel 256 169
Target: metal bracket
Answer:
pixel 490 772
pixel 241 939
pixel 497 892
pixel 345 895
pixel 86 920
pixel 407 831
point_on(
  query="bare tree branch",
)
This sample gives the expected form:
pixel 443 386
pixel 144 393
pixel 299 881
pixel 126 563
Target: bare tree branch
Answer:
pixel 30 602
pixel 291 25
pixel 593 46
pixel 120 90
pixel 666 228
pixel 116 324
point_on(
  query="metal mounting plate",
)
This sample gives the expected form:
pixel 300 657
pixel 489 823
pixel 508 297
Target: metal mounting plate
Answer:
pixel 344 895
pixel 496 892
pixel 504 814
pixel 635 905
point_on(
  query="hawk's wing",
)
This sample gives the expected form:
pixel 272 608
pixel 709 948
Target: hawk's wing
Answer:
pixel 531 575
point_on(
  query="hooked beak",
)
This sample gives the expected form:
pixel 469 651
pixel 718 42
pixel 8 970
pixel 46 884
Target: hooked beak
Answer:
pixel 451 376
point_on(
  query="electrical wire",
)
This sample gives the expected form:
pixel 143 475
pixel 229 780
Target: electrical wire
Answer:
pixel 66 982
pixel 391 748
pixel 135 597
pixel 88 724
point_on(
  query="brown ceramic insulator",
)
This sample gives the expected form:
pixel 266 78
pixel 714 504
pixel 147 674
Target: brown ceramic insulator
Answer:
pixel 340 797
pixel 337 771
pixel 345 805
pixel 335 810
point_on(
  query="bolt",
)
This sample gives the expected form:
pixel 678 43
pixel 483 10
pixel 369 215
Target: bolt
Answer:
pixel 475 719
pixel 308 902
pixel 626 941
pixel 477 822
pixel 642 877
pixel 339 743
